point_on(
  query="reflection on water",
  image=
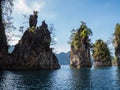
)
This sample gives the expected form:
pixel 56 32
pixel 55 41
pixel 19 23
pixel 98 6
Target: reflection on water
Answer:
pixel 81 78
pixel 62 79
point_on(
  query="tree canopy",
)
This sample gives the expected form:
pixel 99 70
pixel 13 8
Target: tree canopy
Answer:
pixel 116 34
pixel 80 36
pixel 101 51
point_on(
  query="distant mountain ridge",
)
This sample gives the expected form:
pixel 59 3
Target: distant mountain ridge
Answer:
pixel 63 58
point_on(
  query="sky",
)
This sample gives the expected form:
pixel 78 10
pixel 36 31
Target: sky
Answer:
pixel 101 17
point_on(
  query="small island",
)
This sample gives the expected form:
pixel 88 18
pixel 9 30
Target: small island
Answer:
pixel 101 54
pixel 80 47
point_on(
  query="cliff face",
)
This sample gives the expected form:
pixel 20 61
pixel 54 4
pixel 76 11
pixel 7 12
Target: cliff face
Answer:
pixel 80 48
pixel 80 58
pixel 33 51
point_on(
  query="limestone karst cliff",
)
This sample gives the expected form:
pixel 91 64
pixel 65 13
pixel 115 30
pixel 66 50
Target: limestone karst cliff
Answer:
pixel 33 51
pixel 80 47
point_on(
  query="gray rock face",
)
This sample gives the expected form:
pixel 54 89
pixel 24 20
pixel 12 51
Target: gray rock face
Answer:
pixel 80 47
pixel 80 58
pixel 33 51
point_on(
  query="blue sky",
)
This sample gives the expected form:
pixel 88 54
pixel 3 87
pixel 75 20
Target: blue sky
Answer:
pixel 100 15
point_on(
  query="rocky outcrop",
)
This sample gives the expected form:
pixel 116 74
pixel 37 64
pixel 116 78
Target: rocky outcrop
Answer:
pixel 33 51
pixel 80 48
pixel 80 58
pixel 101 54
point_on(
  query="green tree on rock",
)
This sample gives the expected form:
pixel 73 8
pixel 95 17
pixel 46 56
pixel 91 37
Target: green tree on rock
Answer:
pixel 101 52
pixel 80 37
pixel 117 34
pixel 80 47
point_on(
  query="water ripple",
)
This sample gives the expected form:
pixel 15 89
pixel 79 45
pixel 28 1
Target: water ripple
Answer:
pixel 62 79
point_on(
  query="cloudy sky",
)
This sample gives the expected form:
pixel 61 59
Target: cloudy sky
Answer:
pixel 100 15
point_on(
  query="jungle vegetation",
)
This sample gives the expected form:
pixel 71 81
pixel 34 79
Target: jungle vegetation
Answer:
pixel 101 51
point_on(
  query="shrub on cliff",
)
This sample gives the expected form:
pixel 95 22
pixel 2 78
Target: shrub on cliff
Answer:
pixel 116 43
pixel 101 51
pixel 80 47
pixel 117 34
pixel 80 37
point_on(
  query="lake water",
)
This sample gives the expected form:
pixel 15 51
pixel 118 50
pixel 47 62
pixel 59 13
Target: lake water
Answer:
pixel 62 79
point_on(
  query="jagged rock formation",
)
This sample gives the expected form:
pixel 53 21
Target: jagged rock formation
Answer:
pixel 116 42
pixel 80 48
pixel 33 19
pixel 33 51
pixel 101 54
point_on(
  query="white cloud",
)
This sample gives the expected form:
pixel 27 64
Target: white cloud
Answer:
pixel 26 7
pixel 38 6
pixel 21 6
